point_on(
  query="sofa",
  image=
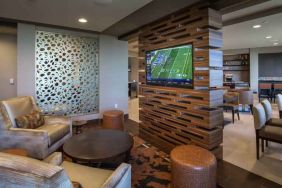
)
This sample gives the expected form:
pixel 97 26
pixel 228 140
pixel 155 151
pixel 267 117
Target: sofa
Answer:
pixel 18 171
pixel 39 142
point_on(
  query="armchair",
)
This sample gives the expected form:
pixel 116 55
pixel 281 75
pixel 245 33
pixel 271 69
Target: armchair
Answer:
pixel 24 172
pixel 268 114
pixel 231 102
pixel 39 142
pixel 263 131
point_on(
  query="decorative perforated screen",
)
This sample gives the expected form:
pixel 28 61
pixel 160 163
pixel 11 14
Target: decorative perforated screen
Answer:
pixel 67 73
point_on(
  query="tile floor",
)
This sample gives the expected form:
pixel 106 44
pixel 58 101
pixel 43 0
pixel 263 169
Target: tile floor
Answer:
pixel 239 145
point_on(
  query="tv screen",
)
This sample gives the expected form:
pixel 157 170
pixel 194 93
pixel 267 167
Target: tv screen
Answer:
pixel 170 66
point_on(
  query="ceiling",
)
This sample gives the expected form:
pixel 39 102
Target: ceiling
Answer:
pixel 121 17
pixel 243 35
pixel 100 14
pixel 238 32
pixel 265 5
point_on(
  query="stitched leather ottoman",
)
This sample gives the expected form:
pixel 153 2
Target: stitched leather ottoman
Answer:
pixel 113 119
pixel 192 167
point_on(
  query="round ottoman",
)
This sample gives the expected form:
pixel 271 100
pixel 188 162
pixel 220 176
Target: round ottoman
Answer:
pixel 192 167
pixel 113 119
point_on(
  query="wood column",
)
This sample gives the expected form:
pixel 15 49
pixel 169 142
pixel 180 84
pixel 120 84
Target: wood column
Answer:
pixel 173 116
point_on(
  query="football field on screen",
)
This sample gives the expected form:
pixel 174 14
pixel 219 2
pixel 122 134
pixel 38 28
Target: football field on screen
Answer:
pixel 172 64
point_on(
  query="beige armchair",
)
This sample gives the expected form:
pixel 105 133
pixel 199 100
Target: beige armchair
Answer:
pixel 24 172
pixel 39 142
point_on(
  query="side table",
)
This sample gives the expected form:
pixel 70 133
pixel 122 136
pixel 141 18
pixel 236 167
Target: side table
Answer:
pixel 78 126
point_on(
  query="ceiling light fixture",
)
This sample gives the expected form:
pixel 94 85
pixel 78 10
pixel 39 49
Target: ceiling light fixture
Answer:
pixel 82 20
pixel 268 37
pixel 256 26
pixel 275 43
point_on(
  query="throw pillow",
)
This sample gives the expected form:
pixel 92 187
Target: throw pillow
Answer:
pixel 30 121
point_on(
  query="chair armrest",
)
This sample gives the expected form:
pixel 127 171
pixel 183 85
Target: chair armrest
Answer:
pixel 55 158
pixel 35 142
pixel 28 165
pixel 57 120
pixel 120 178
pixel 28 132
pixel 28 172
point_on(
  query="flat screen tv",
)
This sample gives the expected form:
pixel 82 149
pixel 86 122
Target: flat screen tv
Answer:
pixel 170 66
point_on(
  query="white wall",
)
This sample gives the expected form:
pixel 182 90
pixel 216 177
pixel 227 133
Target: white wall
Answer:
pixel 26 60
pixel 8 65
pixel 254 53
pixel 113 73
pixel 113 68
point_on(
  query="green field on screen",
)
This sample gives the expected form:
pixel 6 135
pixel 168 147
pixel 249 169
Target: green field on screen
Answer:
pixel 171 63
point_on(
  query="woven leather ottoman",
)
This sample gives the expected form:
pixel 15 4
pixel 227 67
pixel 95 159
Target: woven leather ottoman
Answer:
pixel 113 119
pixel 192 167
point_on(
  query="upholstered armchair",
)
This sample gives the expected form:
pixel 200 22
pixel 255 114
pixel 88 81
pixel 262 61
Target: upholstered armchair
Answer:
pixel 231 102
pixel 246 97
pixel 38 142
pixel 263 131
pixel 268 114
pixel 24 172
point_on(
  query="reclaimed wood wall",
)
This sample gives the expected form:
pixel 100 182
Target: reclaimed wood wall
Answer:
pixel 173 116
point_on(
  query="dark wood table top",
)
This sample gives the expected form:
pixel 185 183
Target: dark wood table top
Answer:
pixel 98 146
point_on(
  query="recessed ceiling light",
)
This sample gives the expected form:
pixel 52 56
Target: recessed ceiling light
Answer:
pixel 275 43
pixel 82 20
pixel 268 37
pixel 256 26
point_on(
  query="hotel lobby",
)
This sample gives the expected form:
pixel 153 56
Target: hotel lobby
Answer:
pixel 141 94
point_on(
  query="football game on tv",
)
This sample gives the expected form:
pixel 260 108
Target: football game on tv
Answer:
pixel 170 66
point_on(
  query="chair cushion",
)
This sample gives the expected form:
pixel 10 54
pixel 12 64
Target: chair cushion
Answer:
pixel 30 121
pixel 259 116
pixel 271 132
pixel 16 107
pixel 275 122
pixel 268 109
pixel 88 177
pixel 279 101
pixel 55 132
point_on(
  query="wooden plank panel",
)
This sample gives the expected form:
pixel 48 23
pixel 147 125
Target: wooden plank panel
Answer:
pixel 174 116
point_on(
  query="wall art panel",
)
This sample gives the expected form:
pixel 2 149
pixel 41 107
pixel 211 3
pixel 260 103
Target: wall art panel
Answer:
pixel 67 73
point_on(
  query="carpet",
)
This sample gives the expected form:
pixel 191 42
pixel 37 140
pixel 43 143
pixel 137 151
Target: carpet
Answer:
pixel 150 166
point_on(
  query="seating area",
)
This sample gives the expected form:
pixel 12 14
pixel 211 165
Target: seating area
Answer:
pixel 39 141
pixel 53 172
pixel 268 129
pixel 140 94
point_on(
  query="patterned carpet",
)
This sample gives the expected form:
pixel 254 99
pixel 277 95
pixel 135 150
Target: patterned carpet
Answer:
pixel 150 167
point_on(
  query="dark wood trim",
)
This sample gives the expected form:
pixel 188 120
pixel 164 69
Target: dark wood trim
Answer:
pixel 227 6
pixel 138 31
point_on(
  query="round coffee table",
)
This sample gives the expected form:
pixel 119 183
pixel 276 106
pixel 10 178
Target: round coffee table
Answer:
pixel 98 146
